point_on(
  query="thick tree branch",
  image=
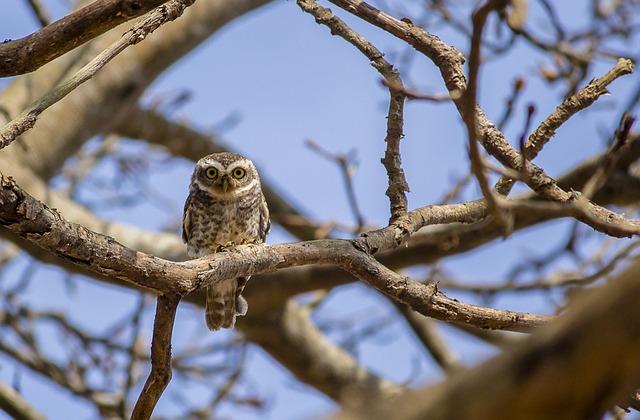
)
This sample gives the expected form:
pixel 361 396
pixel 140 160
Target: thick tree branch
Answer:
pixel 160 374
pixel 35 222
pixel 33 51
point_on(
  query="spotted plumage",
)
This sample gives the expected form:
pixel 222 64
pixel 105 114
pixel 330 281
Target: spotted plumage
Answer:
pixel 225 207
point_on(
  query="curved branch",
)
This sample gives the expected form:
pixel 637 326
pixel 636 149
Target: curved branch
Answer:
pixel 586 357
pixel 32 220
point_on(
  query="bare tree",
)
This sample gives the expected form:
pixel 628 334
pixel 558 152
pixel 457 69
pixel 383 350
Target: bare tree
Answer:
pixel 76 104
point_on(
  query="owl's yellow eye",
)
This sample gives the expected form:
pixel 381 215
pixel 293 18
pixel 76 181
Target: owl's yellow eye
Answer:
pixel 211 172
pixel 238 173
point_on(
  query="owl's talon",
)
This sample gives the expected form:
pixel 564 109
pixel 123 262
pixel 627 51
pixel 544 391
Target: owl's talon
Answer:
pixel 226 247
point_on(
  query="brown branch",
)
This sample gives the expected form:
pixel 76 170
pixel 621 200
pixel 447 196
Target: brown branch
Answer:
pixel 411 94
pixel 33 51
pixel 587 356
pixel 35 222
pixel 584 98
pixel 15 406
pixel 160 374
pixel 397 182
pixel 468 108
pixel 426 332
pixel 449 62
pixel 139 32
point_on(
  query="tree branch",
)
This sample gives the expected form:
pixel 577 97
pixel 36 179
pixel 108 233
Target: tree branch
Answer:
pixel 584 98
pixel 160 374
pixel 12 403
pixel 139 32
pixel 33 221
pixel 587 356
pixel 33 51
pixel 449 61
pixel 391 161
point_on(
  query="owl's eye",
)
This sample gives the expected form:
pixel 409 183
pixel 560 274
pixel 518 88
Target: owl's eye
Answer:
pixel 211 172
pixel 238 173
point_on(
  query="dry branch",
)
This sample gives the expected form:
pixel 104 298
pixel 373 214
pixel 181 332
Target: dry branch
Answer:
pixel 584 98
pixel 160 374
pixel 32 220
pixel 33 51
pixel 468 104
pixel 398 186
pixel 139 32
pixel 449 61
pixel 579 366
pixel 15 406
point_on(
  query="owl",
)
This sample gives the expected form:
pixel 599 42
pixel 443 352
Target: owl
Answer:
pixel 225 207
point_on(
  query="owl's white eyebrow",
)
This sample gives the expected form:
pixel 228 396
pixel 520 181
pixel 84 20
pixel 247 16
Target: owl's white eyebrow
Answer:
pixel 242 164
pixel 215 164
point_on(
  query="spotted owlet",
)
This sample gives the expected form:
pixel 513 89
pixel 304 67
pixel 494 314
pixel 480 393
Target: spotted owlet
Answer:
pixel 225 207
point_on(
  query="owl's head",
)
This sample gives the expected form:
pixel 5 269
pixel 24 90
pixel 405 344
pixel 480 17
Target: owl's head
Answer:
pixel 226 175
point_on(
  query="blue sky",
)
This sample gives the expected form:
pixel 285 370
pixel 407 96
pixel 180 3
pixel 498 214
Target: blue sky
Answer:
pixel 286 80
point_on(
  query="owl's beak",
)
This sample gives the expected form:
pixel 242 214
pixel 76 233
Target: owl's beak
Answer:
pixel 225 183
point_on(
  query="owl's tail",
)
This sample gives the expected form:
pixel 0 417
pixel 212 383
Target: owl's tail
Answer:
pixel 224 303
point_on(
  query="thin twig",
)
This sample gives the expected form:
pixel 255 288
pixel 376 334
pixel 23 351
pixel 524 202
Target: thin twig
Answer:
pixel 610 158
pixel 469 114
pixel 39 12
pixel 584 98
pixel 392 162
pixel 345 163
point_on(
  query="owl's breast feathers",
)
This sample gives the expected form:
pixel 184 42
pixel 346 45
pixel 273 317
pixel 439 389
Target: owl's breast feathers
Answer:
pixel 210 222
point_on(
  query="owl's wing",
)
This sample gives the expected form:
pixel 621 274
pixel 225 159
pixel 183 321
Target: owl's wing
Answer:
pixel 265 223
pixel 186 219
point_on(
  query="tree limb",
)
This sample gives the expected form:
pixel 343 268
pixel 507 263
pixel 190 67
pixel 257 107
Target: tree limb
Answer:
pixel 12 403
pixel 35 222
pixel 33 51
pixel 160 374
pixel 139 32
pixel 587 357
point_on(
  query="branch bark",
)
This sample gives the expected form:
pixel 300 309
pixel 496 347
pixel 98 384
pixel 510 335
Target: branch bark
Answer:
pixel 15 406
pixel 579 366
pixel 30 219
pixel 33 51
pixel 160 374
pixel 139 32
